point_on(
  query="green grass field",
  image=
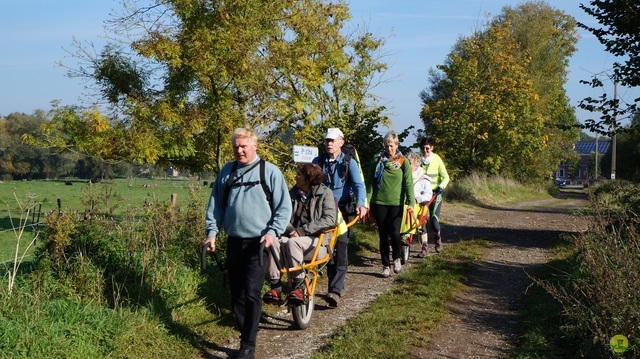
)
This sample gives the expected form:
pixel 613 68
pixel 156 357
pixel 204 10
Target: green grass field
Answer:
pixel 35 198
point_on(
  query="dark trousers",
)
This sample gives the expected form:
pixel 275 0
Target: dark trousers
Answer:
pixel 337 267
pixel 246 278
pixel 388 220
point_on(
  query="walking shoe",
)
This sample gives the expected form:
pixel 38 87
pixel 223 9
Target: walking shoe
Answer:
pixel 296 297
pixel 332 299
pixel 397 265
pixel 438 245
pixel 386 272
pixel 272 297
pixel 423 252
pixel 246 351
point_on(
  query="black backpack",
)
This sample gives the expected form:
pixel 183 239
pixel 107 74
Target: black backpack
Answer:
pixel 232 182
pixel 343 172
pixel 349 153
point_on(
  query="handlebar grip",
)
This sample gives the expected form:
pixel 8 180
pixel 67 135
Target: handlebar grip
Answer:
pixel 203 256
pixel 261 254
pixel 218 262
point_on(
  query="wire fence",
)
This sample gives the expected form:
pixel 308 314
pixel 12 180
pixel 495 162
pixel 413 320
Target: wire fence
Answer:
pixel 33 225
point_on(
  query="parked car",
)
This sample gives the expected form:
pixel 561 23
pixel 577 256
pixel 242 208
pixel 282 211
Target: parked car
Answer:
pixel 562 182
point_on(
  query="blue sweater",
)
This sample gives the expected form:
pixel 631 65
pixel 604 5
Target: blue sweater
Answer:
pixel 248 213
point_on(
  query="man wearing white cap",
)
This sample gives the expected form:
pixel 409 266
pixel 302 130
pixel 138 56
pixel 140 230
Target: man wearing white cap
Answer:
pixel 343 177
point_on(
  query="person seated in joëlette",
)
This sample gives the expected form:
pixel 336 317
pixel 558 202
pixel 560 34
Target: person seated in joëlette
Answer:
pixel 314 211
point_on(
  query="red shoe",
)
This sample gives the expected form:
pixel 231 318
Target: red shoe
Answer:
pixel 296 297
pixel 271 297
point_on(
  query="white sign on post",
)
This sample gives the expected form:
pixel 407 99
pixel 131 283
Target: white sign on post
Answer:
pixel 304 153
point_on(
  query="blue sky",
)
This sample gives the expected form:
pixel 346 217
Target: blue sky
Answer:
pixel 36 34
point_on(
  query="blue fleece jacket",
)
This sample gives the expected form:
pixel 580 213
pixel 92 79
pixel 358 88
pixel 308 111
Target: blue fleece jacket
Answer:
pixel 248 214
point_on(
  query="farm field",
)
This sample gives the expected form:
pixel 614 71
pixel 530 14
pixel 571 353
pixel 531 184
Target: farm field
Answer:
pixel 113 196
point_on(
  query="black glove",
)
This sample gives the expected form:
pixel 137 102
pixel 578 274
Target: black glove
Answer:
pixel 438 190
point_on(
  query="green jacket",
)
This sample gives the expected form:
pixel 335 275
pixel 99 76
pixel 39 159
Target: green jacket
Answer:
pixel 396 188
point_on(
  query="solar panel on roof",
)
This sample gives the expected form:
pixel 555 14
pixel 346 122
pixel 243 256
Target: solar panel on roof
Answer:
pixel 586 147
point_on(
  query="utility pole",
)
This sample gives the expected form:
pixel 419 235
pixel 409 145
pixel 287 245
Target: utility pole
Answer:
pixel 597 151
pixel 613 140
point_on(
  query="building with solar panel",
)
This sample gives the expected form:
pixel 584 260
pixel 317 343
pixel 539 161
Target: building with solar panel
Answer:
pixel 584 149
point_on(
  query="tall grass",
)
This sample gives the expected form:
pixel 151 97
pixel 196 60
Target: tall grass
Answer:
pixel 483 190
pixel 599 293
pixel 126 285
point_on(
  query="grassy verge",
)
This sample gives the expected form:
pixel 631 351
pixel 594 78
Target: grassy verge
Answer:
pixel 408 314
pixel 541 328
pixel 482 190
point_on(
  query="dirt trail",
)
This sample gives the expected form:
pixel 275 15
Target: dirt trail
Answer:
pixel 484 314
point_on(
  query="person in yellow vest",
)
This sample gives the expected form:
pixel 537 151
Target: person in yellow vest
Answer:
pixel 434 168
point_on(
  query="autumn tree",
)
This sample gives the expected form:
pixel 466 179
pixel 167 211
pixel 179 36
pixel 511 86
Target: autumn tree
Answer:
pixel 498 105
pixel 619 34
pixel 547 38
pixel 479 108
pixel 179 76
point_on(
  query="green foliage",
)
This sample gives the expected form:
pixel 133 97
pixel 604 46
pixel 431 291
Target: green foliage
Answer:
pixel 21 161
pixel 485 118
pixel 38 325
pixel 627 155
pixel 117 282
pixel 547 37
pixel 498 105
pixel 195 70
pixel 618 32
pixel 58 228
pixel 599 296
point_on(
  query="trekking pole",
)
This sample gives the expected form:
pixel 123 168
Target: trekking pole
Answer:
pixel 203 258
pixel 276 258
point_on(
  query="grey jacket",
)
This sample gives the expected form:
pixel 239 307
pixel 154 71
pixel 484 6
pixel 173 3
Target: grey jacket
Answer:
pixel 322 207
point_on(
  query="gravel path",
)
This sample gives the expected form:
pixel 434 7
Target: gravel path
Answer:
pixel 484 314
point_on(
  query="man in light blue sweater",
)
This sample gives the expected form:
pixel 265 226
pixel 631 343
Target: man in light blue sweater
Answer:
pixel 251 201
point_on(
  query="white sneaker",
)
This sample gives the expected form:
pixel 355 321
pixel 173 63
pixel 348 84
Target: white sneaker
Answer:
pixel 397 265
pixel 386 272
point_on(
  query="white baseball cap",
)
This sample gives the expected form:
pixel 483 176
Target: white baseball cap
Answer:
pixel 333 133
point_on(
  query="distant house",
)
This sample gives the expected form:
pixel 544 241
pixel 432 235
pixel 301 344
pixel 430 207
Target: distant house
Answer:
pixel 584 149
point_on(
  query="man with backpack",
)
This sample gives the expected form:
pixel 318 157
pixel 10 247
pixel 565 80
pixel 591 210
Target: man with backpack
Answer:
pixel 251 201
pixel 343 176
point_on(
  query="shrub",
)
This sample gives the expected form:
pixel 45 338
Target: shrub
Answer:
pixel 600 297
